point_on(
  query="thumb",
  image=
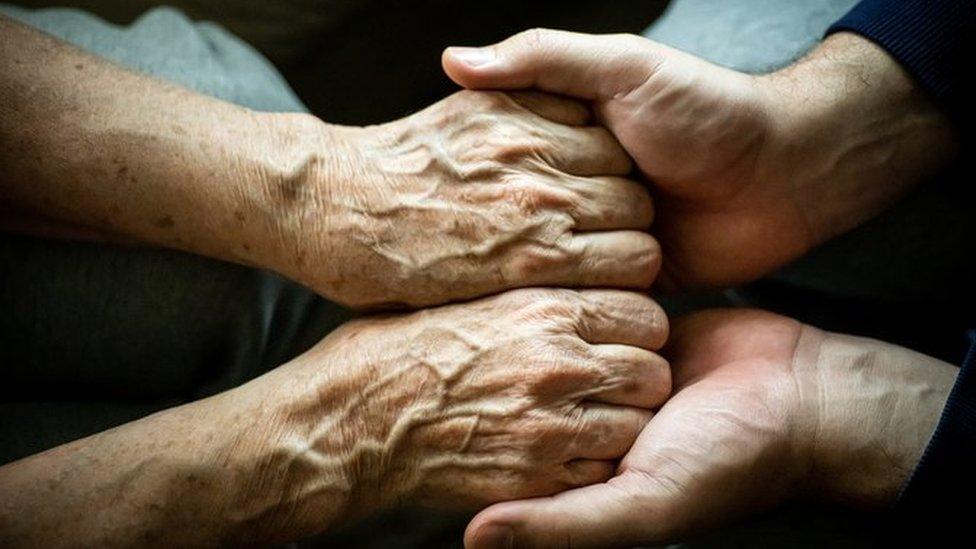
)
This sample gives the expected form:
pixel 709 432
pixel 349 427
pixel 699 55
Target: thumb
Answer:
pixel 586 66
pixel 601 515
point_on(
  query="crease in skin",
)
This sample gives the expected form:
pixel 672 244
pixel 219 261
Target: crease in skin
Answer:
pixel 475 462
pixel 416 414
pixel 469 436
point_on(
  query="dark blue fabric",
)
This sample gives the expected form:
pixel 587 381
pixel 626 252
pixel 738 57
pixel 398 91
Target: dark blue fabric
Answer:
pixel 934 503
pixel 933 39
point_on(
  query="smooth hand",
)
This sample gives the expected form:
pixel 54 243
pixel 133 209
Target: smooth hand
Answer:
pixel 480 193
pixel 765 409
pixel 750 172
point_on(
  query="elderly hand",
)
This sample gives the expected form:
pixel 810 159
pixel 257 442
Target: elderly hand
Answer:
pixel 765 409
pixel 750 171
pixel 523 394
pixel 479 193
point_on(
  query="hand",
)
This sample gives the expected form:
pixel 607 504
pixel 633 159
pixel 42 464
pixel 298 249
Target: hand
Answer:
pixel 479 193
pixel 750 172
pixel 524 394
pixel 765 409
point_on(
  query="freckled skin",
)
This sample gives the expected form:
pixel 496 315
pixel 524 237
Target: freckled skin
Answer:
pixel 469 196
pixel 480 193
pixel 522 394
pixel 525 393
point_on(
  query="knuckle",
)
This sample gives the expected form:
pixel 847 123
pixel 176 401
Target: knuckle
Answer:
pixel 534 38
pixel 547 304
pixel 666 383
pixel 535 262
pixel 660 325
pixel 647 261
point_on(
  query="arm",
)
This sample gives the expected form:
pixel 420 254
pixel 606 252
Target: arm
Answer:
pixel 933 40
pixel 750 172
pixel 448 407
pixel 89 144
pixel 515 190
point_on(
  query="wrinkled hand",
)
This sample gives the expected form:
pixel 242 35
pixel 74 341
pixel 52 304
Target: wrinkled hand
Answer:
pixel 523 394
pixel 750 172
pixel 479 193
pixel 765 409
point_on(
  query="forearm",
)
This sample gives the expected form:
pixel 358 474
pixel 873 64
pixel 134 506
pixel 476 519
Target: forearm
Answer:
pixel 165 480
pixel 228 470
pixel 88 143
pixel 851 133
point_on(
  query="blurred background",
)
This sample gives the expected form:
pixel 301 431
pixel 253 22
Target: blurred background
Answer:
pixel 368 61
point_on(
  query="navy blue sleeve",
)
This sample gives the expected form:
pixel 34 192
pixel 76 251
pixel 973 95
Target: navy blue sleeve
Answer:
pixel 937 502
pixel 933 39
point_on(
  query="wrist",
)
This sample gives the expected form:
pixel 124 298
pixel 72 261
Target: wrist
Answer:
pixel 871 408
pixel 306 184
pixel 850 133
pixel 323 447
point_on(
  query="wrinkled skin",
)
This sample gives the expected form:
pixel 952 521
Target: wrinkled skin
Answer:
pixel 748 172
pixel 478 193
pixel 765 409
pixel 524 394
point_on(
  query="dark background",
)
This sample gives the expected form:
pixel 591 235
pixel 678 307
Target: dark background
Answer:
pixel 369 61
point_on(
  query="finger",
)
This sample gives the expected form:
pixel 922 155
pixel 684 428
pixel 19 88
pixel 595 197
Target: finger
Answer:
pixel 603 515
pixel 604 431
pixel 609 203
pixel 626 318
pixel 585 151
pixel 474 487
pixel 584 472
pixel 612 259
pixel 632 377
pixel 561 110
pixel 580 65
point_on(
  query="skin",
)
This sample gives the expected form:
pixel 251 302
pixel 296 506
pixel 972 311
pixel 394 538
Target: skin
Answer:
pixel 748 171
pixel 765 409
pixel 423 407
pixel 517 395
pixel 480 193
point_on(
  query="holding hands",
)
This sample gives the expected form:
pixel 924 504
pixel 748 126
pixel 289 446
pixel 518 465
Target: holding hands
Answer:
pixel 479 193
pixel 527 392
pixel 748 172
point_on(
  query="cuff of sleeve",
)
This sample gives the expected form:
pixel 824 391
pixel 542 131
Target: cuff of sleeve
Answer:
pixel 929 38
pixel 932 501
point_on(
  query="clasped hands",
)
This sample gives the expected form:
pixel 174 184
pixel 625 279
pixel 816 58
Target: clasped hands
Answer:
pixel 523 229
pixel 538 393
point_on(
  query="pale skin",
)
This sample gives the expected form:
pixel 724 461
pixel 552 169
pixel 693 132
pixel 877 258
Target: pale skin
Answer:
pixel 749 173
pixel 520 394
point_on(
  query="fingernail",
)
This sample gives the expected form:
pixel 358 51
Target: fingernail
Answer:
pixel 473 57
